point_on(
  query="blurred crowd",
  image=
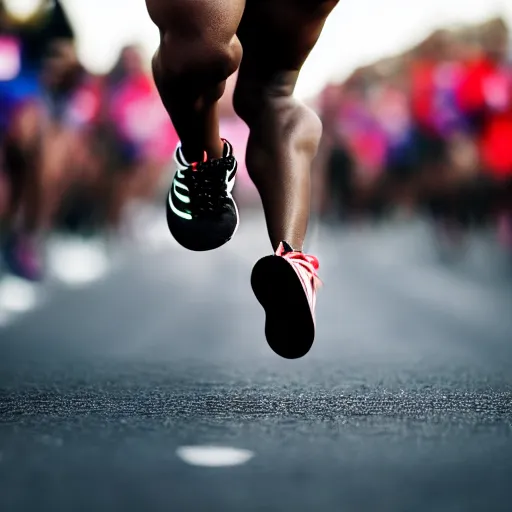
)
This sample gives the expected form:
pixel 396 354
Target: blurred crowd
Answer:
pixel 430 129
pixel 75 147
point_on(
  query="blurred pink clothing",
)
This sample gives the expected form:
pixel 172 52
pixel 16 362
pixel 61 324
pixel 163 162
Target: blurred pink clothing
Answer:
pixel 363 136
pixel 137 111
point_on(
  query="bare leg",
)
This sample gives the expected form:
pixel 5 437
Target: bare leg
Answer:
pixel 198 51
pixel 277 36
pixel 23 155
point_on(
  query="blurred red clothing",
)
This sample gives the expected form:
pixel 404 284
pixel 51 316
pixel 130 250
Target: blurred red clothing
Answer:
pixel 486 94
pixel 435 107
pixel 422 92
pixel 137 111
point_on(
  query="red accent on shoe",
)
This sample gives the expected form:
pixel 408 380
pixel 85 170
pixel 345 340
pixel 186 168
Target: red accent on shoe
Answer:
pixel 195 165
pixel 306 267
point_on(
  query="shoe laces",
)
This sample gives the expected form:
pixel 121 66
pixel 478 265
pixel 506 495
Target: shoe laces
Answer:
pixel 306 261
pixel 208 183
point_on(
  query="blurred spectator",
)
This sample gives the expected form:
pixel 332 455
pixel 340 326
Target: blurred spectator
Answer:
pixel 390 106
pixel 71 104
pixel 138 137
pixel 486 96
pixel 431 126
pixel 24 46
pixel 356 147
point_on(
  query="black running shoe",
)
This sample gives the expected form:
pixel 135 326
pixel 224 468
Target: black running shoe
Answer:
pixel 285 284
pixel 201 212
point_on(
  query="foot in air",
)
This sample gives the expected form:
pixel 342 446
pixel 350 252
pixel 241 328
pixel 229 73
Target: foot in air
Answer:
pixel 201 212
pixel 285 284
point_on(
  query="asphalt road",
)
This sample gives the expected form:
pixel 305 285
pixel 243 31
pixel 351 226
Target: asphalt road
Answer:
pixel 404 403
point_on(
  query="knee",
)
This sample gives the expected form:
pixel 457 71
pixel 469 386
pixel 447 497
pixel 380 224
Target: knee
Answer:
pixel 276 107
pixel 254 97
pixel 188 64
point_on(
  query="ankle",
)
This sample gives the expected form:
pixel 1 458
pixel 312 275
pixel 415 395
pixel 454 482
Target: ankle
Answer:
pixel 202 153
pixel 215 151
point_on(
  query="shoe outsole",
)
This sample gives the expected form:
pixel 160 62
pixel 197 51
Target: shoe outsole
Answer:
pixel 187 242
pixel 289 325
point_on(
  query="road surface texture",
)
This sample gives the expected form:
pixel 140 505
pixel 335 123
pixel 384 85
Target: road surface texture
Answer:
pixel 111 392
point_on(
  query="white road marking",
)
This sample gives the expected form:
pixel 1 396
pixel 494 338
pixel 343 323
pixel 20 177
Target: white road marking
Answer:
pixel 214 456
